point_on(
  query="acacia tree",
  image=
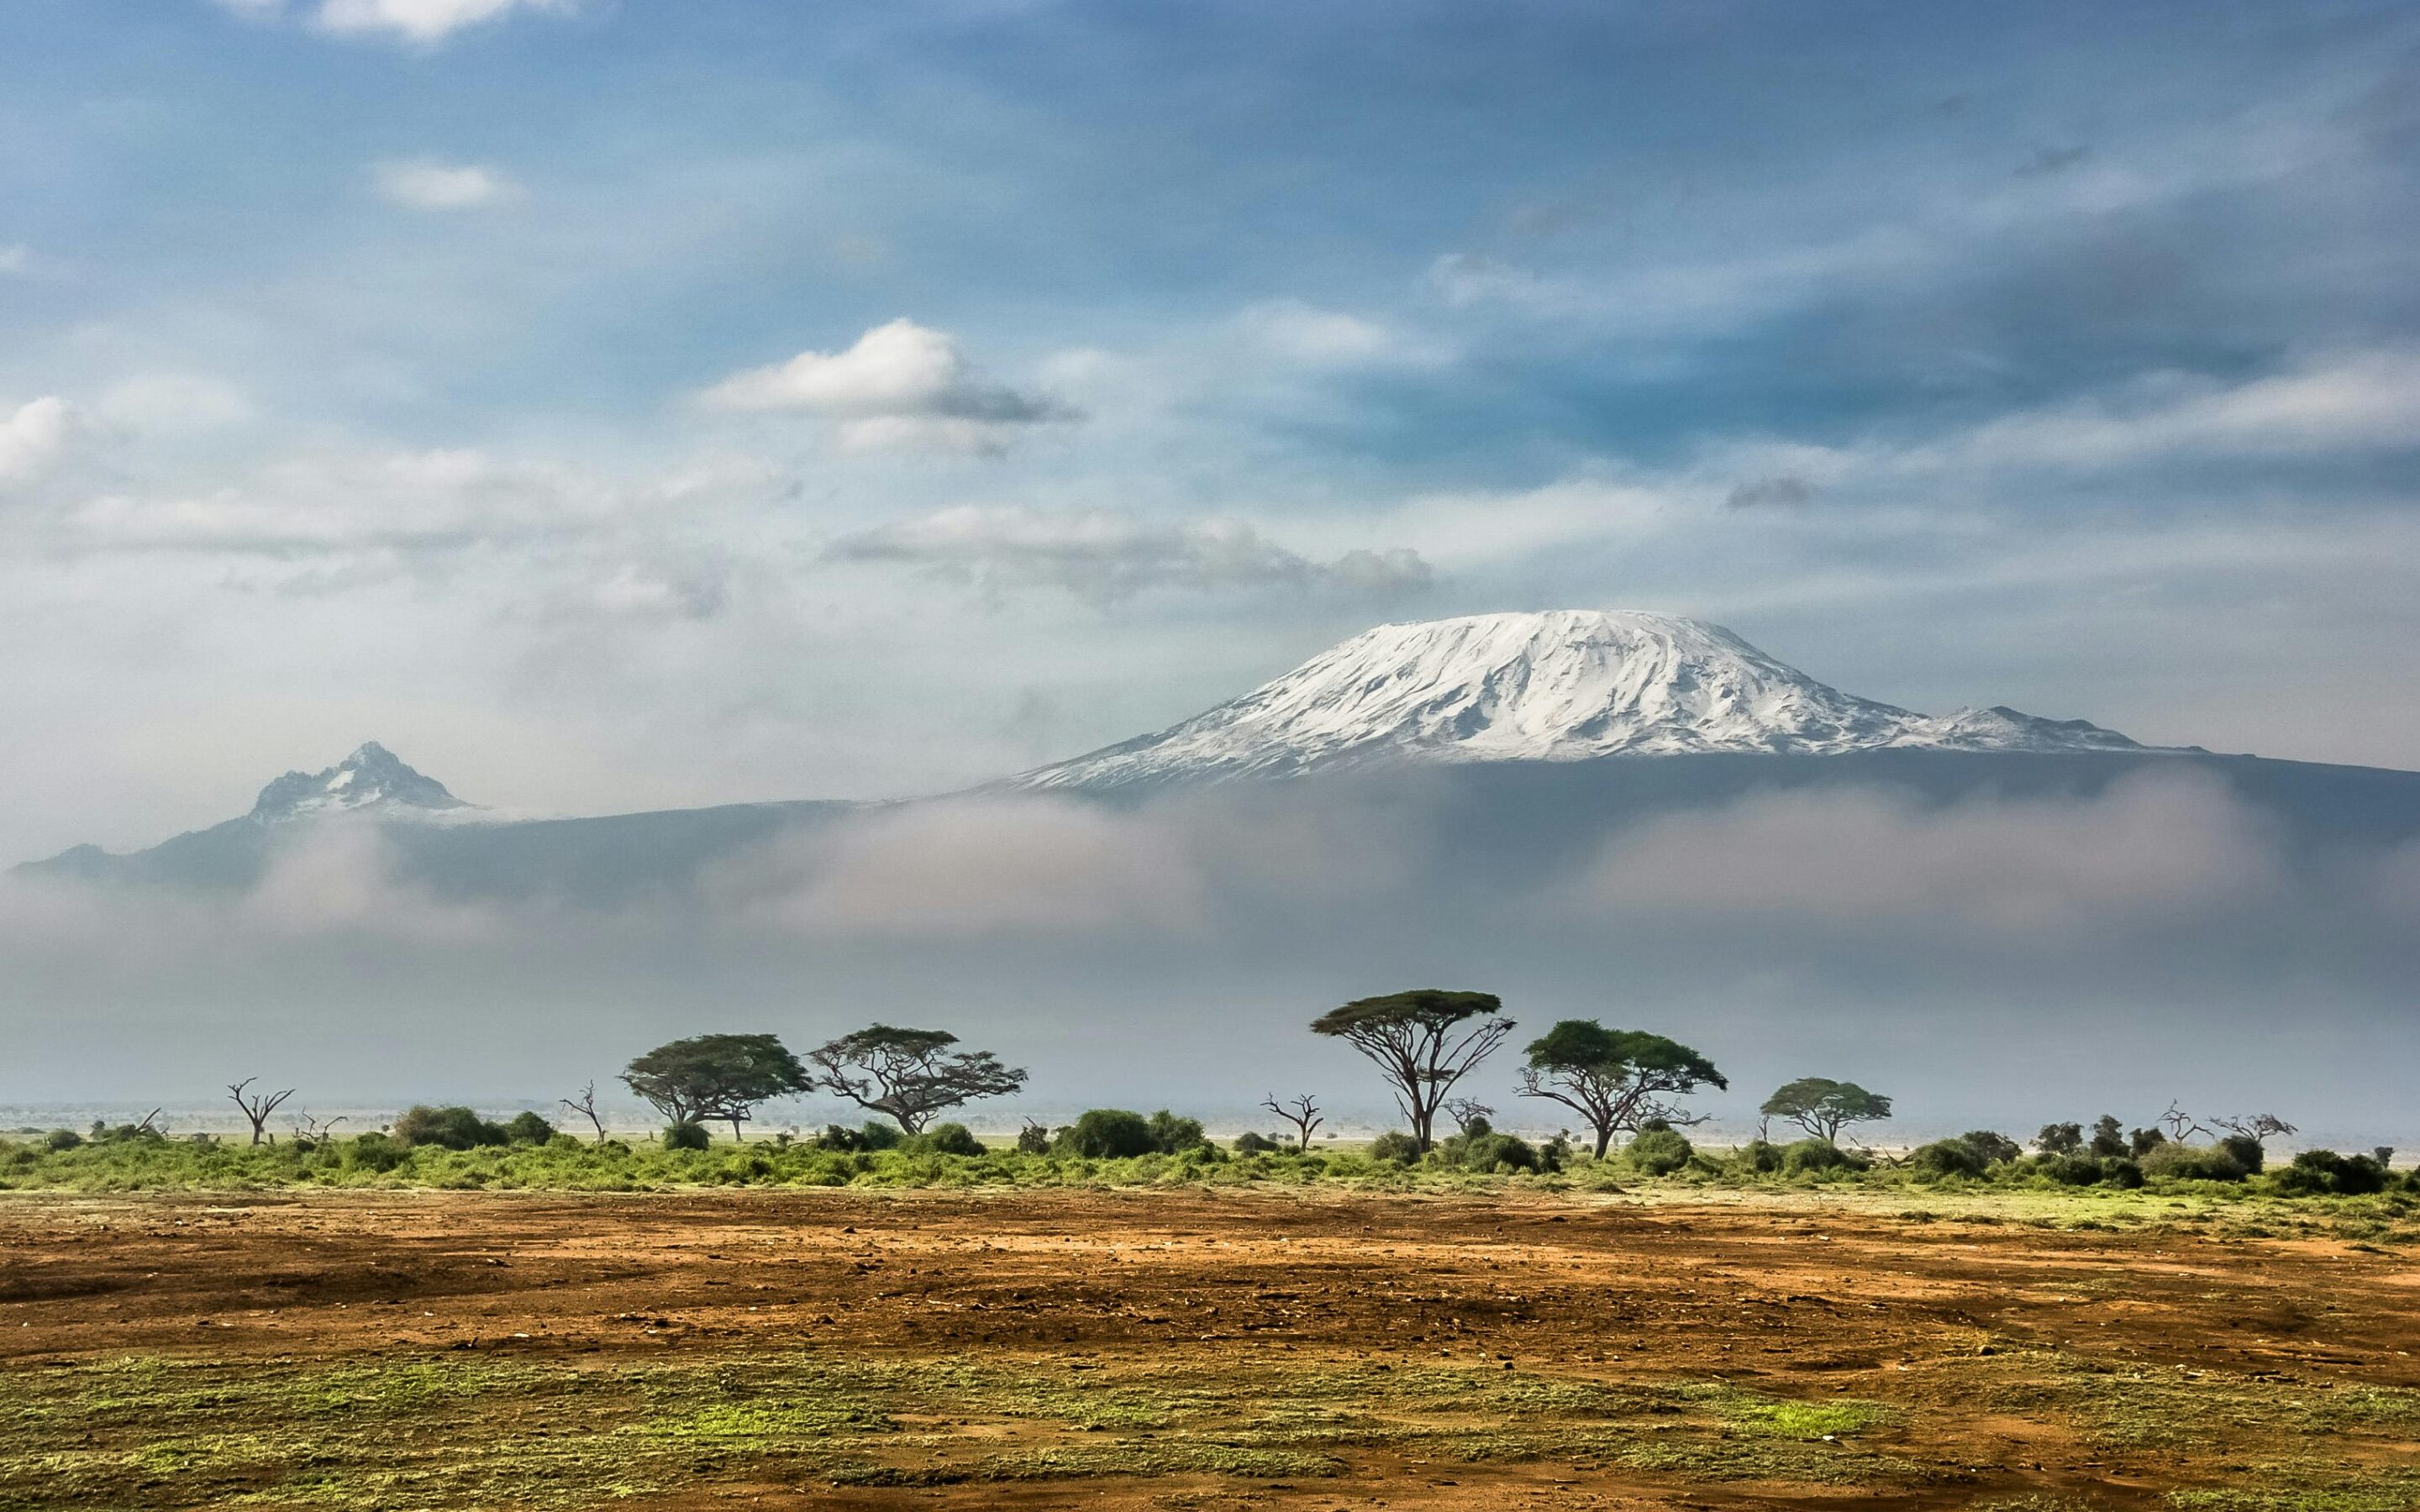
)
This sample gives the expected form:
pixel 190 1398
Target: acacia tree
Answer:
pixel 1615 1079
pixel 910 1074
pixel 1823 1107
pixel 257 1106
pixel 715 1076
pixel 1422 1043
pixel 1303 1113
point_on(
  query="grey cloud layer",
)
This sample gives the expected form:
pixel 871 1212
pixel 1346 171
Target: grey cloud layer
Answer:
pixel 1171 952
pixel 1109 556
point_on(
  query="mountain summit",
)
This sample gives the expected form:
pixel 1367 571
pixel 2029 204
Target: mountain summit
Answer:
pixel 1565 685
pixel 372 780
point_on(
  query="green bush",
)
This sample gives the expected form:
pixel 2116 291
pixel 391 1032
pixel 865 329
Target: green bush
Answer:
pixel 1658 1152
pixel 946 1139
pixel 1107 1133
pixel 2247 1151
pixel 1484 1151
pixel 371 1152
pixel 1248 1143
pixel 1996 1149
pixel 2193 1162
pixel 1172 1135
pixel 527 1128
pixel 687 1137
pixel 2069 1169
pixel 58 1139
pixel 1946 1158
pixel 1761 1156
pixel 2323 1172
pixel 1812 1157
pixel 449 1128
pixel 2120 1170
pixel 1033 1139
pixel 1396 1146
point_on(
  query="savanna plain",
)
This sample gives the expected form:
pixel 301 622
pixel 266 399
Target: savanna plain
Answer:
pixel 1500 1342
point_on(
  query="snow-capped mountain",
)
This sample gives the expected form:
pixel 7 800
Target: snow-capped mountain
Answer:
pixel 1562 686
pixel 373 779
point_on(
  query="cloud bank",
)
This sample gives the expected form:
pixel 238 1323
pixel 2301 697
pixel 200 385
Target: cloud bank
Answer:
pixel 900 386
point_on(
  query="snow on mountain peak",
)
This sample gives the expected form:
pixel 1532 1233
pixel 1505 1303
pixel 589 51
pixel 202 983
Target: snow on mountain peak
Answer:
pixel 372 779
pixel 1562 685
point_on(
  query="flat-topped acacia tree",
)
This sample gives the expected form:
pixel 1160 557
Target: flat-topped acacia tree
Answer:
pixel 1422 1041
pixel 910 1075
pixel 715 1076
pixel 1616 1079
pixel 1823 1107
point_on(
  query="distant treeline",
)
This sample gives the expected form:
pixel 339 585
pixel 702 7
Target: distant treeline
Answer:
pixel 1620 1084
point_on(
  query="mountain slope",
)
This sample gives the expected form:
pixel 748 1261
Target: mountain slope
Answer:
pixel 1565 685
pixel 370 781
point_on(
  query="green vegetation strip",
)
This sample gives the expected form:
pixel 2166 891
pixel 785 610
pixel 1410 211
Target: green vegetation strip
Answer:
pixel 149 1431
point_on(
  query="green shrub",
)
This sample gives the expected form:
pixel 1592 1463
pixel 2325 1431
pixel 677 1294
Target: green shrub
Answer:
pixel 875 1134
pixel 687 1137
pixel 1816 1156
pixel 1033 1139
pixel 2247 1151
pixel 449 1128
pixel 1485 1150
pixel 2069 1169
pixel 1107 1133
pixel 62 1140
pixel 2193 1162
pixel 2109 1137
pixel 1946 1158
pixel 371 1152
pixel 2320 1172
pixel 1658 1152
pixel 1396 1146
pixel 946 1139
pixel 1248 1143
pixel 1995 1148
pixel 2120 1170
pixel 527 1128
pixel 1761 1156
pixel 2059 1138
pixel 1172 1135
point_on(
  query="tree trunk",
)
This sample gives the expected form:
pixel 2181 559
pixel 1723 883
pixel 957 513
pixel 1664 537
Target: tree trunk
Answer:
pixel 1603 1139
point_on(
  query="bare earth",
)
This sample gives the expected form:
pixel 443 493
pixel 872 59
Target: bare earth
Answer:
pixel 1185 1349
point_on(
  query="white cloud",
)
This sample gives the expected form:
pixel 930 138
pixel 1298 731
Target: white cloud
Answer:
pixel 1108 555
pixel 973 869
pixel 16 261
pixel 170 402
pixel 423 184
pixel 2150 848
pixel 2363 400
pixel 900 386
pixel 1323 338
pixel 420 22
pixel 424 22
pixel 34 438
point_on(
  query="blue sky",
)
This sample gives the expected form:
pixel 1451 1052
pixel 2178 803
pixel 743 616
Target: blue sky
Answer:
pixel 609 404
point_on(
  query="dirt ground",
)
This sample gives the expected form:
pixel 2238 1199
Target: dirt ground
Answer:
pixel 1185 1349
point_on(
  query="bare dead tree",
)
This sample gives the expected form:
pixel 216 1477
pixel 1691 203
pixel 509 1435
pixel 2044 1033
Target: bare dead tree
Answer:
pixel 316 1129
pixel 150 1124
pixel 257 1106
pixel 1303 1113
pixel 1465 1111
pixel 586 1104
pixel 2258 1127
pixel 2180 1124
